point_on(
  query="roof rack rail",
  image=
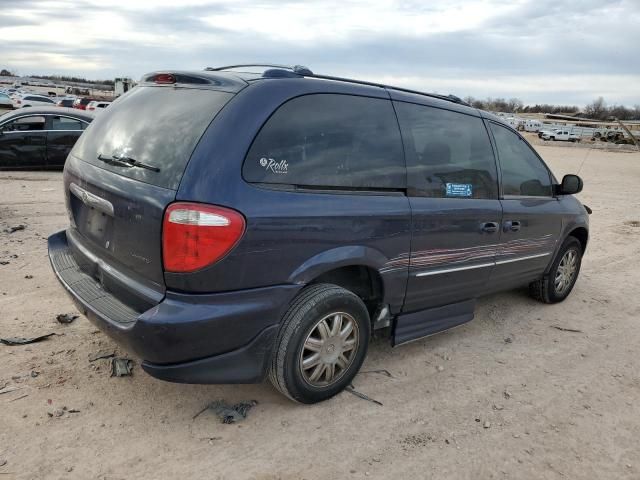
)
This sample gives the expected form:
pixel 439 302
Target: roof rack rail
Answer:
pixel 297 69
pixel 300 70
pixel 449 98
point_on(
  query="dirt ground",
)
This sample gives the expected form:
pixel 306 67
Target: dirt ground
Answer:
pixel 505 396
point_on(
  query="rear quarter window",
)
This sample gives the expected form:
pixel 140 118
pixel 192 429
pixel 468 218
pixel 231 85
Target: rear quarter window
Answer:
pixel 158 126
pixel 329 140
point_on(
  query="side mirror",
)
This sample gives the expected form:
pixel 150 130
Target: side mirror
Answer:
pixel 571 184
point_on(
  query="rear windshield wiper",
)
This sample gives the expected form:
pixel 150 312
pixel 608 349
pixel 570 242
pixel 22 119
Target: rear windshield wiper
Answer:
pixel 124 161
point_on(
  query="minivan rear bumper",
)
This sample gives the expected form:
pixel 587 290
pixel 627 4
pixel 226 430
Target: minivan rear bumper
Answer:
pixel 190 338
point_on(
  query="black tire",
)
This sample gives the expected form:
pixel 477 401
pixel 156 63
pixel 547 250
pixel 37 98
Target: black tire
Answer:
pixel 545 289
pixel 553 139
pixel 312 305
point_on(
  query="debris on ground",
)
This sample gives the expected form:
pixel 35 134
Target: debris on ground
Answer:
pixel 353 391
pixel 508 340
pixel 440 368
pixel 121 367
pixel 563 329
pixel 229 413
pixel 28 277
pixel 507 394
pixel 24 341
pixel 66 317
pixel 9 389
pixel 3 462
pixel 14 228
pixel 486 424
pixel 19 398
pixel 384 372
pixel 101 354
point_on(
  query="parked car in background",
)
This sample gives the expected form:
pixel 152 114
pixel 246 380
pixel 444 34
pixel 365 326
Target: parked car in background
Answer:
pixel 225 251
pixel 81 103
pixel 5 101
pixel 39 137
pixel 66 102
pixel 31 100
pixel 544 131
pixel 560 135
pixel 97 106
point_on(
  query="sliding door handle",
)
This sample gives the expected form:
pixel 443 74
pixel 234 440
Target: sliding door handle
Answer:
pixel 511 226
pixel 489 227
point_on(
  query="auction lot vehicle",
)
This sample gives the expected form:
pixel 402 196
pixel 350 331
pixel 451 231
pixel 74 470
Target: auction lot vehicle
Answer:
pixel 5 101
pixel 97 106
pixel 39 138
pixel 81 103
pixel 228 226
pixel 560 135
pixel 29 100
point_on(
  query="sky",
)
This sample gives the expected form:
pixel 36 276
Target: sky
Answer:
pixel 541 51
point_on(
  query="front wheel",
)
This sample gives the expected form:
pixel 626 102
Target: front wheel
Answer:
pixel 557 285
pixel 321 345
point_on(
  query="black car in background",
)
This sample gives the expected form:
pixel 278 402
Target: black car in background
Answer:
pixel 66 102
pixel 38 138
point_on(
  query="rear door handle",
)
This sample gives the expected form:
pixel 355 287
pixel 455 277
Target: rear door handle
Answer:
pixel 511 225
pixel 489 227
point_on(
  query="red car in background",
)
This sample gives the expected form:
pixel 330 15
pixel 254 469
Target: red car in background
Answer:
pixel 81 103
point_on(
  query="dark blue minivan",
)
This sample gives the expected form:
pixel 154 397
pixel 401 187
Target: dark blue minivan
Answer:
pixel 243 222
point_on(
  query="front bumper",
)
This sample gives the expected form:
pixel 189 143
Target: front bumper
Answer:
pixel 214 338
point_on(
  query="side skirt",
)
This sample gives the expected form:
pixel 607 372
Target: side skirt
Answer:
pixel 412 326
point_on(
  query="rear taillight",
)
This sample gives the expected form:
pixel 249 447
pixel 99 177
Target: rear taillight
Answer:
pixel 196 235
pixel 18 102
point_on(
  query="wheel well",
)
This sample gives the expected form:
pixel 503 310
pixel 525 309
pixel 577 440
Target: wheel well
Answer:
pixel 582 235
pixel 364 281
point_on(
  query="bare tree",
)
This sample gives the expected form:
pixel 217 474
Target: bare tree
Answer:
pixel 515 105
pixel 597 109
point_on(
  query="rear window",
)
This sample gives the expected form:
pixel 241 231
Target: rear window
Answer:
pixel 329 140
pixel 158 126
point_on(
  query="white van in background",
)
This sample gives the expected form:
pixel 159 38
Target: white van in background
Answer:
pixel 532 125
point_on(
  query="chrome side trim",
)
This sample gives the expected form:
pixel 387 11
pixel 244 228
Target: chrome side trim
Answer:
pixel 480 265
pixel 518 259
pixel 454 269
pixel 92 200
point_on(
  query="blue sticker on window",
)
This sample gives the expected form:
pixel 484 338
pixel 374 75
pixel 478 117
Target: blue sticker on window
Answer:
pixel 459 190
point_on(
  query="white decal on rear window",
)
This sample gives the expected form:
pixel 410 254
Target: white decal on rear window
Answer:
pixel 274 166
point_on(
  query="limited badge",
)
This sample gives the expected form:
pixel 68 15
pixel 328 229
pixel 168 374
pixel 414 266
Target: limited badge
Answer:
pixel 459 190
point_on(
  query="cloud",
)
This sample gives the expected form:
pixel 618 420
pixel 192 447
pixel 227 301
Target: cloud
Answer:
pixel 539 50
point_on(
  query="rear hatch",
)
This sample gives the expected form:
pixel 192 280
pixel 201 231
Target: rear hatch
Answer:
pixel 124 171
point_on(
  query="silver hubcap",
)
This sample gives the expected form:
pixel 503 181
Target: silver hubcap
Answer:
pixel 329 349
pixel 566 271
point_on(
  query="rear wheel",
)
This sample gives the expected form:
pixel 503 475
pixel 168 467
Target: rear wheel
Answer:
pixel 557 285
pixel 322 343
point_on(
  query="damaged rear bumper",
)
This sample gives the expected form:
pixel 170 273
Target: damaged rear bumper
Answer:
pixel 213 338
